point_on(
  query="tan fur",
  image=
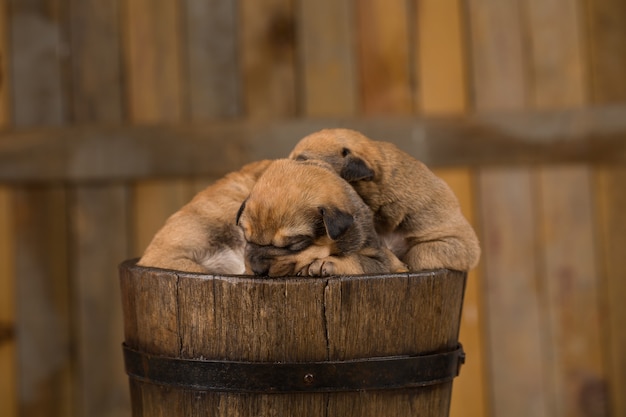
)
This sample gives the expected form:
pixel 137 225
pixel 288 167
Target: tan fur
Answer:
pixel 202 236
pixel 416 213
pixel 302 219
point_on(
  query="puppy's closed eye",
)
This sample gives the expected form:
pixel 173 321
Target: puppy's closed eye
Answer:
pixel 300 243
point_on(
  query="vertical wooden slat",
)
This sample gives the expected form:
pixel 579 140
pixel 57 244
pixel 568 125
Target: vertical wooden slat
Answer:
pixel 384 61
pixel 607 44
pixel 556 53
pixel 441 77
pixel 100 232
pixel 36 47
pixel 499 78
pixel 153 58
pixel 514 340
pixel 574 354
pixel 98 223
pixel 211 51
pixel 267 51
pixel 610 202
pixel 214 86
pixel 574 357
pixel 41 269
pixel 5 79
pixel 8 383
pixel 155 95
pixel 606 26
pixel 43 309
pixel 506 204
pixel 327 56
pixel 440 57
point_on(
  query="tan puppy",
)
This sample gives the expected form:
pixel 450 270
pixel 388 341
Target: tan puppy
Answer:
pixel 303 219
pixel 415 212
pixel 202 236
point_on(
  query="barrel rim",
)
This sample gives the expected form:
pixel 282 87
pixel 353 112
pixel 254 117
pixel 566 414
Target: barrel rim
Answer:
pixel 131 265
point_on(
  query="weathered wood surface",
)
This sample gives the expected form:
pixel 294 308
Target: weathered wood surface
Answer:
pixel 8 346
pixel 596 135
pixel 514 336
pixel 607 46
pixel 44 325
pixel 290 320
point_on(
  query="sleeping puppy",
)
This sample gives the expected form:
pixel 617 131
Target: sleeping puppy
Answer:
pixel 202 236
pixel 301 218
pixel 415 212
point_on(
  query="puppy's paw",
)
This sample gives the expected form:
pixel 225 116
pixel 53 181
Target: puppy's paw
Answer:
pixel 333 265
pixel 319 268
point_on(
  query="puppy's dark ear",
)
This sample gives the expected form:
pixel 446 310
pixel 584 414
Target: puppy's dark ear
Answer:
pixel 336 221
pixel 243 206
pixel 355 169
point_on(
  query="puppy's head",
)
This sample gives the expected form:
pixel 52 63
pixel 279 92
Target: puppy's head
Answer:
pixel 298 212
pixel 352 155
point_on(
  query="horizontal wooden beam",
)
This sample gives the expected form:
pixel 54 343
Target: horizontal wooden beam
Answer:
pixel 99 153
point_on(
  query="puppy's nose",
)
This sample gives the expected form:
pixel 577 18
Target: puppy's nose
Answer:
pixel 260 270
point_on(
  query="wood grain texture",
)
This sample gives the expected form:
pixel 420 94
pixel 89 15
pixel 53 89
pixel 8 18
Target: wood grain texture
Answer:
pixel 497 45
pixel 326 33
pixel 607 43
pixel 608 63
pixel 558 73
pixel 95 38
pixel 610 200
pixel 43 323
pixel 99 214
pixel 156 96
pixel 5 78
pixel 576 367
pixel 440 58
pixel 43 329
pixel 574 354
pixel 515 331
pixel 153 60
pixel 384 62
pixel 276 320
pixel 441 77
pixel 267 54
pixel 99 229
pixel 8 348
pixel 514 342
pixel 37 63
pixel 213 76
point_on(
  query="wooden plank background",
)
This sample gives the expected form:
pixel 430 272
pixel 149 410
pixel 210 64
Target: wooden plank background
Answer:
pixel 90 91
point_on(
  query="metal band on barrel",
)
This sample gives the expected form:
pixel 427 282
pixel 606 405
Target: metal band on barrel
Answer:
pixel 379 373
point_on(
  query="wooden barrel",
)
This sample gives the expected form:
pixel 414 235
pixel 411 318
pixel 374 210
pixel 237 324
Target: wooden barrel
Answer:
pixel 376 345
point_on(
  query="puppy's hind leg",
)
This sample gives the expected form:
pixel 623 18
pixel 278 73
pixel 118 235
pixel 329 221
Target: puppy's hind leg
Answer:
pixel 450 253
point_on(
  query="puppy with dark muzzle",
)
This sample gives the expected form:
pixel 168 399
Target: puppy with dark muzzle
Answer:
pixel 301 218
pixel 202 236
pixel 415 212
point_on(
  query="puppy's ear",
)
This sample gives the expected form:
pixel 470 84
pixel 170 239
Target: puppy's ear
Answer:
pixel 243 206
pixel 336 221
pixel 355 169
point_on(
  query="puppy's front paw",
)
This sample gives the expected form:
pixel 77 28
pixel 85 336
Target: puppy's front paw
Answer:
pixel 319 268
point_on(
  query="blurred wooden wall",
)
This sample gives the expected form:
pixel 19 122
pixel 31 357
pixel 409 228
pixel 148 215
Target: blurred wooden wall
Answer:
pixel 543 319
